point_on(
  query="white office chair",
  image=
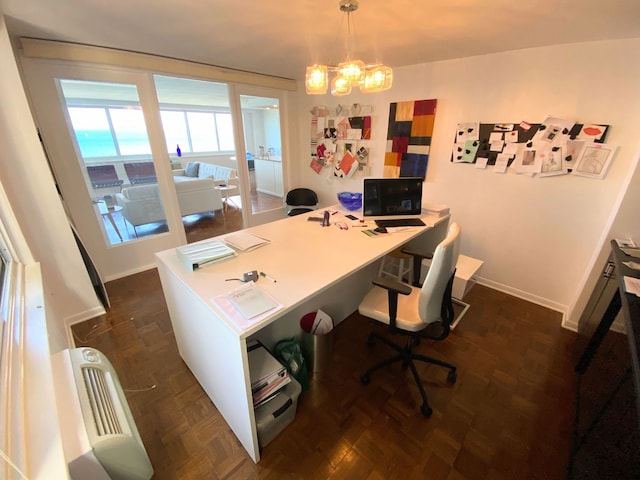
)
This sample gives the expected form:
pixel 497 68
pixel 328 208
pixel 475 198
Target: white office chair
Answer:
pixel 416 312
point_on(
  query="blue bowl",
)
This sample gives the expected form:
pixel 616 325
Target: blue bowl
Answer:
pixel 350 200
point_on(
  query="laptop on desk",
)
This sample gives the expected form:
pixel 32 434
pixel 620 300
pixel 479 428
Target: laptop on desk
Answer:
pixel 393 202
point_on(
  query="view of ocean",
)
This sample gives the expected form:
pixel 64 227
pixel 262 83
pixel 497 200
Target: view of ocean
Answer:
pixel 99 143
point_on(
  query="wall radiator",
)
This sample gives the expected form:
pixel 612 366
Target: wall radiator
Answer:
pixel 99 435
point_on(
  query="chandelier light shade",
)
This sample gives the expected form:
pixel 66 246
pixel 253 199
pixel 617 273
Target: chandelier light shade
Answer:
pixel 340 86
pixel 317 80
pixel 350 73
pixel 377 79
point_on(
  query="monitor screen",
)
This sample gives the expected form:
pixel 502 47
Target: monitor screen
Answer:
pixel 392 197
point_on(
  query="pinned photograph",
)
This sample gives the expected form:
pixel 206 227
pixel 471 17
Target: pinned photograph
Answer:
pixel 594 160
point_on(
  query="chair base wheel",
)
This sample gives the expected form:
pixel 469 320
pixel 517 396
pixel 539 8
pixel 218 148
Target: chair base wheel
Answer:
pixel 452 376
pixel 365 379
pixel 426 410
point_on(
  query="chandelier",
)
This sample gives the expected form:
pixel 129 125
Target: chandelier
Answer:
pixel 350 73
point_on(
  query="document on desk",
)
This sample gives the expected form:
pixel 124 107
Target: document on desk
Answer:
pixel 244 241
pixel 198 255
pixel 250 300
pixel 247 304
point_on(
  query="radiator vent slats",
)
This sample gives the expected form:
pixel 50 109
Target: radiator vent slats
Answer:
pixel 104 413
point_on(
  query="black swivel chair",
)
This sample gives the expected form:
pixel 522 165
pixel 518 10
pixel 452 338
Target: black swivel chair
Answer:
pixel 416 312
pixel 300 200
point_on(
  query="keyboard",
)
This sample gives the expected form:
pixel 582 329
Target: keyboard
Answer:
pixel 401 222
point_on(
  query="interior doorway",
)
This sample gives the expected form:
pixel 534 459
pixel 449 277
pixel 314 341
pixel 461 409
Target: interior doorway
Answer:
pixel 261 154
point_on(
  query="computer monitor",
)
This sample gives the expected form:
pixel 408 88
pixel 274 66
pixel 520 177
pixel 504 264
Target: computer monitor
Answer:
pixel 392 198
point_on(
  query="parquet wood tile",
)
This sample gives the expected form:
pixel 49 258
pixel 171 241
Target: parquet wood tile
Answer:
pixel 508 416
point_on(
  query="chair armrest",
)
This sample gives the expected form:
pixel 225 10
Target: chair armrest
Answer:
pixel 393 288
pixel 418 256
pixel 409 250
pixel 179 172
pixel 392 285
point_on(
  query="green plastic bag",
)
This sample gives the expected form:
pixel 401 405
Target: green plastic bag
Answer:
pixel 289 353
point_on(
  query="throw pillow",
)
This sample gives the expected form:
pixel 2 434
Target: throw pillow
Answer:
pixel 191 169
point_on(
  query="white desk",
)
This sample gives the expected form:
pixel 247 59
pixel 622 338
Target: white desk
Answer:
pixel 314 267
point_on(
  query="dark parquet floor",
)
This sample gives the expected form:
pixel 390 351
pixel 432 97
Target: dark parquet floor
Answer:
pixel 509 415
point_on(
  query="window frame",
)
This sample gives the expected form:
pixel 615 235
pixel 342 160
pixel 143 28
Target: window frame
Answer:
pixel 186 150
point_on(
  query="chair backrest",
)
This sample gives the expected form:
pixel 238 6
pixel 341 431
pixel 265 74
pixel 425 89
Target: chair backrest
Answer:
pixel 103 176
pixel 301 197
pixel 440 274
pixel 140 172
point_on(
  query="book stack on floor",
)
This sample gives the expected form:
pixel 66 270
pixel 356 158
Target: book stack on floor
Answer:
pixel 267 374
pixel 275 393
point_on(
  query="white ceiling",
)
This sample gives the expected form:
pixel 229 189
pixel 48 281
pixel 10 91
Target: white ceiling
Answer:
pixel 282 37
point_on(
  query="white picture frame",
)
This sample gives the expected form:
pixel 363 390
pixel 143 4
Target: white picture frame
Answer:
pixel 594 160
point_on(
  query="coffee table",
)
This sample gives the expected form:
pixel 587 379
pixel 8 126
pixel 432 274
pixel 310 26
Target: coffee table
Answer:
pixel 225 189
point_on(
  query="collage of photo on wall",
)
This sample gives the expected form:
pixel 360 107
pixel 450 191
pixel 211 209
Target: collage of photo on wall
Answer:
pixel 554 147
pixel 340 139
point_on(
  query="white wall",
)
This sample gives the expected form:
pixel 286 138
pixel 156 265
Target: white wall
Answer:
pixel 538 237
pixel 26 178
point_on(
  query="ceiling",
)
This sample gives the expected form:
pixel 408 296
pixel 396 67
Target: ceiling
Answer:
pixel 281 37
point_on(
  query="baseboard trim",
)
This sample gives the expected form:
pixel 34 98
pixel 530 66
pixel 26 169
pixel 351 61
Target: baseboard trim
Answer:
pixel 79 318
pixel 543 302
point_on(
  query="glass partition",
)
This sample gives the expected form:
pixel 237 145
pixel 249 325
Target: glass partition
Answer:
pixel 112 147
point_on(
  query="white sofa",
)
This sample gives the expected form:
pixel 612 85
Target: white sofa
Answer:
pixel 141 203
pixel 199 170
pixel 197 196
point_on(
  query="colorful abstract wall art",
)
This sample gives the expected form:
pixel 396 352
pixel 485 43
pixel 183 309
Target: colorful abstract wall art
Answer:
pixel 339 139
pixel 409 138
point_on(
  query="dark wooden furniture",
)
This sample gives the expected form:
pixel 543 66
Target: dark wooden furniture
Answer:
pixel 606 439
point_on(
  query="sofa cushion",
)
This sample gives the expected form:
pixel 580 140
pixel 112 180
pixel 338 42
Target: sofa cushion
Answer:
pixel 194 185
pixel 217 172
pixel 191 169
pixel 141 192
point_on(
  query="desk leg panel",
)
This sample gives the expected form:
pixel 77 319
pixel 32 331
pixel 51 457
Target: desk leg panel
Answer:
pixel 216 356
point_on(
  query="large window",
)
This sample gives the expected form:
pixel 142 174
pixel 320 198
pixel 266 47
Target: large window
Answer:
pixel 197 131
pixel 118 131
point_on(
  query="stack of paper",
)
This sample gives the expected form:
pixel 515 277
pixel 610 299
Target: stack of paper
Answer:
pixel 268 376
pixel 244 241
pixel 435 209
pixel 250 300
pixel 198 255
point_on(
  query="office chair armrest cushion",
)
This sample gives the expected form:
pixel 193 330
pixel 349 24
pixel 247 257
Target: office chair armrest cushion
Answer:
pixel 393 285
pixel 416 253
